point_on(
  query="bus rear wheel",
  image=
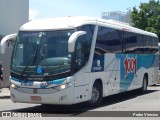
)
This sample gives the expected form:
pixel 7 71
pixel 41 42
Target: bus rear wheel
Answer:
pixel 96 96
pixel 144 85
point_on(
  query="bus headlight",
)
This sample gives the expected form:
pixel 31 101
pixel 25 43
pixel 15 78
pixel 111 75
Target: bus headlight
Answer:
pixel 64 86
pixel 14 86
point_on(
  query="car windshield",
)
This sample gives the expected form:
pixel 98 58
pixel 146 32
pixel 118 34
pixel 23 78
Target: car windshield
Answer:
pixel 42 53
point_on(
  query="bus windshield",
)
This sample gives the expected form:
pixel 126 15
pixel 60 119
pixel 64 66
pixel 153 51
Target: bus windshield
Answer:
pixel 42 53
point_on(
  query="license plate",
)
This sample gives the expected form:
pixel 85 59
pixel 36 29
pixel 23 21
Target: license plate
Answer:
pixel 35 98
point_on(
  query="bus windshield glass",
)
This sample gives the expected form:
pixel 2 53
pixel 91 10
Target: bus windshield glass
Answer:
pixel 42 53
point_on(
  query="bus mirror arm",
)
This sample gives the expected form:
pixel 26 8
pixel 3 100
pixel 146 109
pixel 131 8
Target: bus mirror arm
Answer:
pixel 4 40
pixel 72 40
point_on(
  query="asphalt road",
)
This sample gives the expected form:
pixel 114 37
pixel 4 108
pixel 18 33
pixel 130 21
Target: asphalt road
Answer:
pixel 130 104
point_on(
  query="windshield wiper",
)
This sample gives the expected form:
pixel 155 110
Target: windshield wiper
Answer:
pixel 34 57
pixel 44 58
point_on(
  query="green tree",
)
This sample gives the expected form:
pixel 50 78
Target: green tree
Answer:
pixel 147 17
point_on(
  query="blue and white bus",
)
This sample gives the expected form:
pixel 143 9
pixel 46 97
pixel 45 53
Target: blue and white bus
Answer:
pixel 159 60
pixel 68 60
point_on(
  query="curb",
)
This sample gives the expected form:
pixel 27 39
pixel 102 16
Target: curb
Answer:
pixel 5 93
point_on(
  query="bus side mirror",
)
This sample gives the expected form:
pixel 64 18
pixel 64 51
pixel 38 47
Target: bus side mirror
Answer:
pixel 72 40
pixel 4 40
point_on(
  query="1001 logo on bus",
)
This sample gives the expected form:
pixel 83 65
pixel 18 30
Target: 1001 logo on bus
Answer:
pixel 130 65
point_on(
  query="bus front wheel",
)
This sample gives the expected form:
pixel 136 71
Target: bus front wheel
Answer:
pixel 96 96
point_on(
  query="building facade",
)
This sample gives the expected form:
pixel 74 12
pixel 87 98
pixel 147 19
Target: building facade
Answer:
pixel 13 14
pixel 117 15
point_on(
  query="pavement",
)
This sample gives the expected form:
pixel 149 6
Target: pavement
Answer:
pixel 4 93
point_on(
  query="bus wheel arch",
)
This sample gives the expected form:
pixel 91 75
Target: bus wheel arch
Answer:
pixel 96 93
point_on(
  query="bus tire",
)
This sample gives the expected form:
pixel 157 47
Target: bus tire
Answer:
pixel 144 85
pixel 96 96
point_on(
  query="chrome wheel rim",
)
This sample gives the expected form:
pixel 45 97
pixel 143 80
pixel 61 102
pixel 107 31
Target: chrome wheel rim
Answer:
pixel 95 95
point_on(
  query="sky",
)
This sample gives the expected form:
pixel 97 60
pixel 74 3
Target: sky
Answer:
pixel 61 8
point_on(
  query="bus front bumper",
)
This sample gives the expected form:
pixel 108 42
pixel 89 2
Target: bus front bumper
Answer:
pixel 24 95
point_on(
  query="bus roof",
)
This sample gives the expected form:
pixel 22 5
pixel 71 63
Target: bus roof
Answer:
pixel 57 23
pixel 60 23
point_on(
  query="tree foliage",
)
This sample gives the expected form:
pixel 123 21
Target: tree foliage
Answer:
pixel 147 17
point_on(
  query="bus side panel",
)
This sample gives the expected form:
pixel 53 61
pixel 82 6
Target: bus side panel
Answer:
pixel 124 72
pixel 154 71
pixel 112 70
pixel 106 68
pixel 133 67
pixel 81 87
